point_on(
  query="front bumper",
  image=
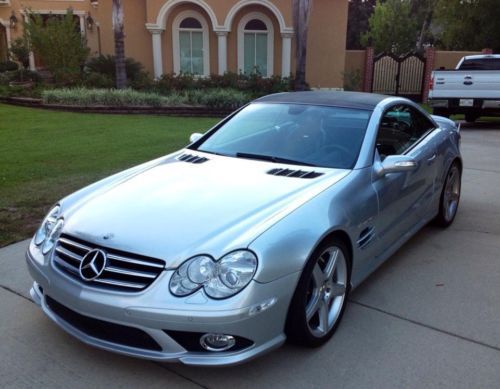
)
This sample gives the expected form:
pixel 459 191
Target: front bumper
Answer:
pixel 158 314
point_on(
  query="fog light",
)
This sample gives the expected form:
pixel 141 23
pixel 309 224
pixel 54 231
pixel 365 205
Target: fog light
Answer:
pixel 217 342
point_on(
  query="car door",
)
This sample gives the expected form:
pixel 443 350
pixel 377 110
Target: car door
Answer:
pixel 404 197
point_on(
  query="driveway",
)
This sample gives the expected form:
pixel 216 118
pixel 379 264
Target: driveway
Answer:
pixel 429 317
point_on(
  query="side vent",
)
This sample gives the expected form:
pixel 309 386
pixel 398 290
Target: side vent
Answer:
pixel 294 173
pixel 365 237
pixel 192 158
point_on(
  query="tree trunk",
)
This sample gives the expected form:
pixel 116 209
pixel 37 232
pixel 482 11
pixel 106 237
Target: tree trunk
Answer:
pixel 425 27
pixel 301 12
pixel 121 72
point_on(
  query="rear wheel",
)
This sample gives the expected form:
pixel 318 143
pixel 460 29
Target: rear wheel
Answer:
pixel 450 196
pixel 320 298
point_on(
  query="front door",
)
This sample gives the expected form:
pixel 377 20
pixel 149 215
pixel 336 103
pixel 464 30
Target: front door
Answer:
pixel 405 197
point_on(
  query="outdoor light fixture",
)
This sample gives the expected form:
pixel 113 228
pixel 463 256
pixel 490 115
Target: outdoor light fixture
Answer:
pixel 13 20
pixel 94 3
pixel 90 22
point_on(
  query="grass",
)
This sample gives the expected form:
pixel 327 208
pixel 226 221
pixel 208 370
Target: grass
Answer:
pixel 45 155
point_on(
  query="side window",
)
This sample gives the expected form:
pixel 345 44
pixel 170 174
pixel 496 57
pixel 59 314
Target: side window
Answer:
pixel 400 127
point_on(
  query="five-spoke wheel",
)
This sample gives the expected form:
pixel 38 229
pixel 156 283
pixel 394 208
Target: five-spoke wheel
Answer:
pixel 450 196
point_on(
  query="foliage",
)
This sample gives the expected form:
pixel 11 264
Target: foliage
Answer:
pixel 468 24
pixel 215 98
pixel 19 49
pixel 107 97
pixel 353 80
pixel 106 65
pixel 357 22
pixel 58 42
pixel 253 84
pixel 219 98
pixel 32 180
pixel 392 27
pixel 8 66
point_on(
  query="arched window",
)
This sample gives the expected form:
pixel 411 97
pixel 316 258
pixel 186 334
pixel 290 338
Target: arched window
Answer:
pixel 255 44
pixel 190 44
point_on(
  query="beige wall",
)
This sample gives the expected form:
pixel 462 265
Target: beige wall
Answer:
pixel 355 61
pixel 449 59
pixel 326 41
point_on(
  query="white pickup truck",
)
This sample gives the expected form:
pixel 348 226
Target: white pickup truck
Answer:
pixel 472 88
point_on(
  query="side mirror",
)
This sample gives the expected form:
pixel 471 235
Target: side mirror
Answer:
pixel 195 137
pixel 395 164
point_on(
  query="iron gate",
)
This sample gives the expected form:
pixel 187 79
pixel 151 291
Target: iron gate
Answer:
pixel 399 75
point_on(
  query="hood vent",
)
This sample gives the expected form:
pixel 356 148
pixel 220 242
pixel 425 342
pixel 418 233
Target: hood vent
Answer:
pixel 192 158
pixel 294 173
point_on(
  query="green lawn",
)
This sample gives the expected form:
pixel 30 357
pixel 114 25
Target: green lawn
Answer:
pixel 46 155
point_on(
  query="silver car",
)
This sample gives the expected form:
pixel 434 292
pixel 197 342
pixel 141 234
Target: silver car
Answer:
pixel 253 234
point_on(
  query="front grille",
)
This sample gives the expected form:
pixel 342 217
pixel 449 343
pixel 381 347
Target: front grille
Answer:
pixel 124 271
pixel 111 332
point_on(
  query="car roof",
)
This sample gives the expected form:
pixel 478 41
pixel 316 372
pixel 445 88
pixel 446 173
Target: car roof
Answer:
pixel 482 56
pixel 360 100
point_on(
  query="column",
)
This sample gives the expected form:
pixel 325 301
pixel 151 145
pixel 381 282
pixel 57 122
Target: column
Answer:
pixel 31 56
pixel 286 54
pixel 157 52
pixel 430 55
pixel 222 51
pixel 7 32
pixel 82 24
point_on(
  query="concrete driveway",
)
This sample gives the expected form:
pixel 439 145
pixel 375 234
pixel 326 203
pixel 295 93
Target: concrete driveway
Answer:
pixel 429 317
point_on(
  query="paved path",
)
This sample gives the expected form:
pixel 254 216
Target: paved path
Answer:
pixel 429 317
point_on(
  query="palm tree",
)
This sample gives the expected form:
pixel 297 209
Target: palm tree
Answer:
pixel 121 72
pixel 301 12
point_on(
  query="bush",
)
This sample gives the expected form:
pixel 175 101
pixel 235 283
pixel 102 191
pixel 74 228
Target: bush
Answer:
pixel 219 98
pixel 19 49
pixel 255 84
pixel 106 97
pixel 106 67
pixel 8 66
pixel 98 80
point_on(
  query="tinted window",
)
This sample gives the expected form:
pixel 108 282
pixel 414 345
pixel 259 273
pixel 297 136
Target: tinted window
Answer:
pixel 305 134
pixel 400 127
pixel 481 64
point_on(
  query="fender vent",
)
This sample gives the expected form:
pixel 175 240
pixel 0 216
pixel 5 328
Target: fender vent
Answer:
pixel 294 173
pixel 192 158
pixel 365 237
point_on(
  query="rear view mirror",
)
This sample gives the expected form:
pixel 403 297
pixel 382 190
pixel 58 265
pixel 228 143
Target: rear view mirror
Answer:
pixel 195 137
pixel 395 163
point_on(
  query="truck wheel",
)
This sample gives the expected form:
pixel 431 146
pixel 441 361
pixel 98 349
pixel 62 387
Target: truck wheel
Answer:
pixel 471 117
pixel 441 112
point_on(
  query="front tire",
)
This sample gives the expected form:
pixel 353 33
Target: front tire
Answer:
pixel 320 298
pixel 450 196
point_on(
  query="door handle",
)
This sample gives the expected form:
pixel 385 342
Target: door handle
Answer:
pixel 432 158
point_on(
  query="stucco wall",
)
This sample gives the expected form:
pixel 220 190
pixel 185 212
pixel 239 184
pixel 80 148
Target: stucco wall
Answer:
pixel 354 68
pixel 449 59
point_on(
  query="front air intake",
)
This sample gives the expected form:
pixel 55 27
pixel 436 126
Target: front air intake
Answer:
pixel 294 173
pixel 192 158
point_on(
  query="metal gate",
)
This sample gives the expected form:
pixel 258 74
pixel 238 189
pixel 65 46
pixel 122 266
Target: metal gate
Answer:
pixel 399 75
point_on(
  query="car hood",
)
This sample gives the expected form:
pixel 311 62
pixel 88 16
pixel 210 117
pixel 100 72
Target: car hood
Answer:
pixel 176 209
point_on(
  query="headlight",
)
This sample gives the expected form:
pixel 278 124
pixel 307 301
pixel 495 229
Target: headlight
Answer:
pixel 220 279
pixel 49 230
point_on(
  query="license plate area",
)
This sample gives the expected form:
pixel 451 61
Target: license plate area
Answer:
pixel 466 103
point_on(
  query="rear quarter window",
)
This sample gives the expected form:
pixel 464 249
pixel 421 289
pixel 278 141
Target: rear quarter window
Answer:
pixel 481 64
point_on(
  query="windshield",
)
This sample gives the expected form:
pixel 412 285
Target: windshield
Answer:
pixel 292 133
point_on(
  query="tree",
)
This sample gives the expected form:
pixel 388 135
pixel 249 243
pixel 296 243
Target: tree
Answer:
pixel 423 11
pixel 357 22
pixel 468 24
pixel 57 40
pixel 301 12
pixel 121 72
pixel 392 27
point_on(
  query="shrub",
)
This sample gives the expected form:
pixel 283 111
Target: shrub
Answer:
pixel 58 42
pixel 106 97
pixel 219 98
pixel 98 80
pixel 105 65
pixel 254 83
pixel 8 66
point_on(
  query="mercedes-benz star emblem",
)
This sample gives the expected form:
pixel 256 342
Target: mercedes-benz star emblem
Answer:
pixel 93 265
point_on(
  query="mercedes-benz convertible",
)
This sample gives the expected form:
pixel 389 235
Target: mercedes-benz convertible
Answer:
pixel 253 234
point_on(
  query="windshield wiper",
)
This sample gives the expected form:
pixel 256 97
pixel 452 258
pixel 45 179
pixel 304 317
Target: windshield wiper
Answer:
pixel 272 158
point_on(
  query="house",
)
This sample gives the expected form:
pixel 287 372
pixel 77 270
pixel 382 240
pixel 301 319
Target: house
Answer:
pixel 204 36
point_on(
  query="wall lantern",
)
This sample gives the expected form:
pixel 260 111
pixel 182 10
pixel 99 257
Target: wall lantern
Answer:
pixel 94 3
pixel 90 22
pixel 13 20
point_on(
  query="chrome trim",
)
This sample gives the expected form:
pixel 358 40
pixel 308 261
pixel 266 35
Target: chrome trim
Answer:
pixel 136 261
pixel 116 270
pixel 120 283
